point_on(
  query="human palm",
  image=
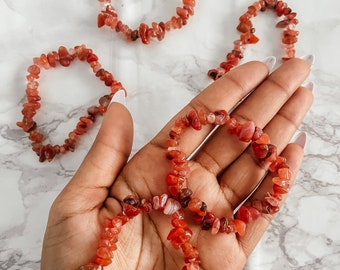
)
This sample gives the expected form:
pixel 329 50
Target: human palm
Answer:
pixel 223 174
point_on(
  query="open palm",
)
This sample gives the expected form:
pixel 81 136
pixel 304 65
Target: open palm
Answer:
pixel 223 174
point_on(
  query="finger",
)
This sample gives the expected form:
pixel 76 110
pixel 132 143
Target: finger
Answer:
pixel 260 107
pixel 106 157
pixel 280 129
pixel 255 230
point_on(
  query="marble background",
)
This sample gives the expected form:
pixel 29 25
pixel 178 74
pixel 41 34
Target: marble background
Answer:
pixel 160 79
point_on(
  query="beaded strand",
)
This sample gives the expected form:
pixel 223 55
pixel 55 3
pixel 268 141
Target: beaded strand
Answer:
pixel 181 199
pixel 245 27
pixel 109 17
pixel 62 57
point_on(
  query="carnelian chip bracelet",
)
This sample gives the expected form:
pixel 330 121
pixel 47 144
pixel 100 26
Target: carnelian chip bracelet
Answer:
pixel 62 57
pixel 181 198
pixel 109 17
pixel 245 27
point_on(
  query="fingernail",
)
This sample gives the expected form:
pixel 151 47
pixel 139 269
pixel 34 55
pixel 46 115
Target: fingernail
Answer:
pixel 309 86
pixel 119 97
pixel 300 139
pixel 309 58
pixel 270 62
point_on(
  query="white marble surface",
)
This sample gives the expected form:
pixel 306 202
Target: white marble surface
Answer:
pixel 160 79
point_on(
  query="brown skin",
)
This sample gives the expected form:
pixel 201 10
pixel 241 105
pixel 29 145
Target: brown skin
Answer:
pixel 105 177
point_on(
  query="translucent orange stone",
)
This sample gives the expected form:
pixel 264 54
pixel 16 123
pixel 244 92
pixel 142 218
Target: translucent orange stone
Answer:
pixel 232 125
pixel 202 115
pixel 289 39
pixel 221 117
pixel 245 17
pixel 272 153
pixel 194 120
pixel 284 173
pixel 131 211
pixel 190 9
pixel 247 131
pixel 279 189
pixel 183 13
pixel 144 33
pixel 197 206
pixel 189 2
pixel 102 262
pixel 245 26
pixel 34 70
pixel 240 226
pixel 52 58
pixel 190 252
pixel 247 213
pixel 280 182
pixel 280 162
pixel 172 179
pixel 36 136
pixel 280 7
pixel 64 56
pixel 264 139
pixel 227 66
pixel 249 38
pixel 111 21
pixel 257 133
pixel 27 124
pixel 252 10
pixel 260 150
pixel 179 236
pixel 179 223
pixel 174 190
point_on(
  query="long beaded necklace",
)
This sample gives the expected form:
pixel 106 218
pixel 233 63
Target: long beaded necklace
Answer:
pixel 180 198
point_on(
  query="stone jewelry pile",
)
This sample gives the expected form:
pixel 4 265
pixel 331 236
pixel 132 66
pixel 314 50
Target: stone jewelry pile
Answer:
pixel 180 198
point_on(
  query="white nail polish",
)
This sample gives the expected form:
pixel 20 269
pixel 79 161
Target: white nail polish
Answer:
pixel 270 62
pixel 300 139
pixel 309 58
pixel 119 97
pixel 310 86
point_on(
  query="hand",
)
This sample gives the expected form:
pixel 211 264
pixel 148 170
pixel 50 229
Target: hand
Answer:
pixel 223 174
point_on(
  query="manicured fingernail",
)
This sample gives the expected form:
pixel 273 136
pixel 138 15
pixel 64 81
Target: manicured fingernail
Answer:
pixel 310 86
pixel 119 97
pixel 300 139
pixel 270 62
pixel 310 59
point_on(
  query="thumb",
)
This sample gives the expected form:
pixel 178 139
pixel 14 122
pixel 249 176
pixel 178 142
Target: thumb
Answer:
pixel 106 157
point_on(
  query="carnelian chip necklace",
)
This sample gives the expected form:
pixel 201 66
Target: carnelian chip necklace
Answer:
pixel 289 37
pixel 62 57
pixel 109 17
pixel 181 199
